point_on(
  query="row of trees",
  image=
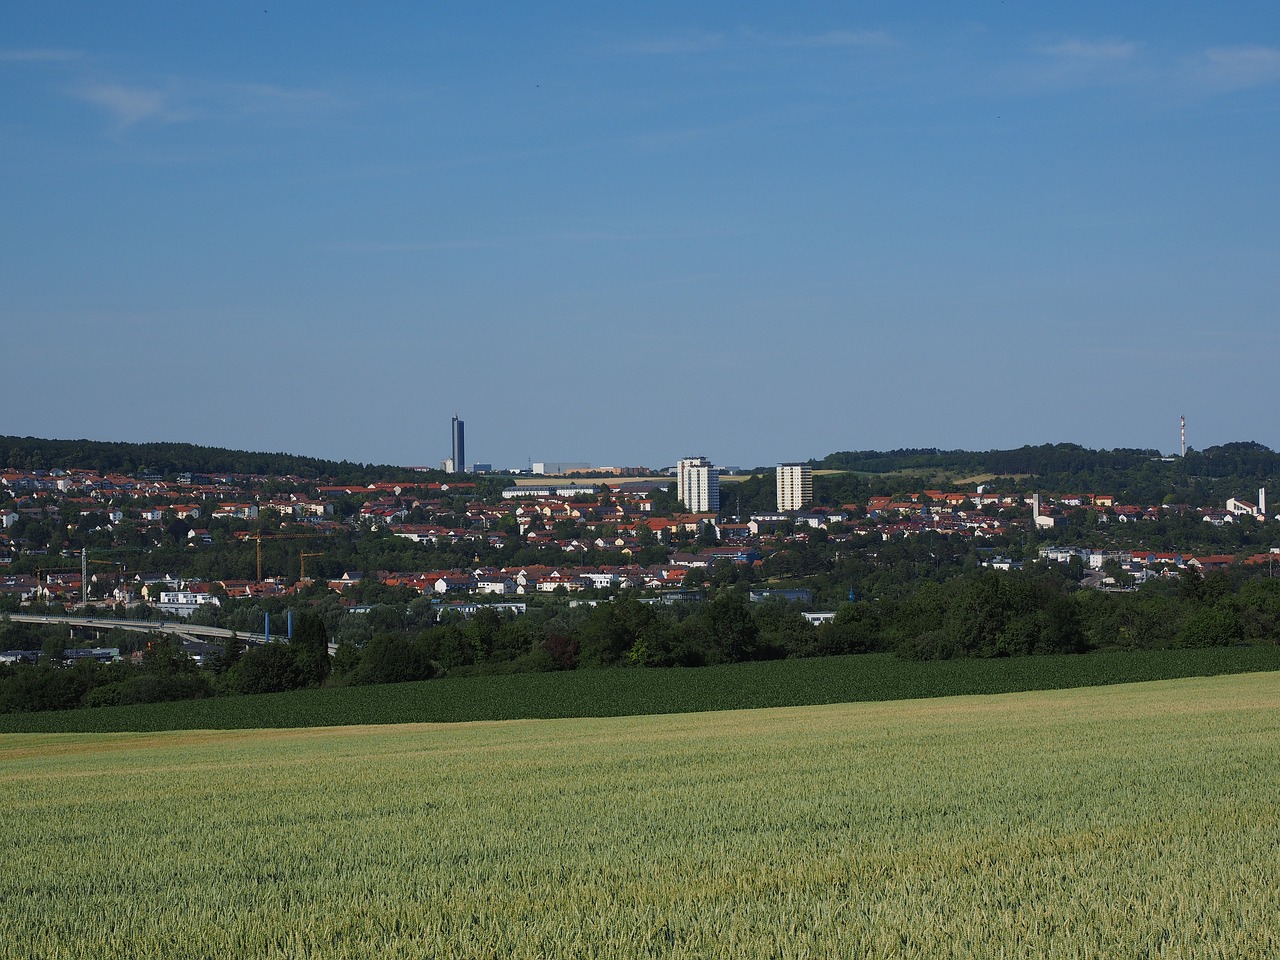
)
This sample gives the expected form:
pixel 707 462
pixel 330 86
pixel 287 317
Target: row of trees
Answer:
pixel 978 614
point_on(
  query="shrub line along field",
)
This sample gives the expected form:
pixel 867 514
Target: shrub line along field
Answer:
pixel 623 692
pixel 1122 821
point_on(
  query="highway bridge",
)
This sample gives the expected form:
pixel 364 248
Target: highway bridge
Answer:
pixel 186 632
pixel 183 631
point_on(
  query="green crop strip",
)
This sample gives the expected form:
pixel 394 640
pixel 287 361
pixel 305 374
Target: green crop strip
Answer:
pixel 1119 821
pixel 587 693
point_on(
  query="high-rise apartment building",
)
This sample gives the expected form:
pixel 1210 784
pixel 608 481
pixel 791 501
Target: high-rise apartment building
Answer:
pixel 458 462
pixel 698 485
pixel 795 486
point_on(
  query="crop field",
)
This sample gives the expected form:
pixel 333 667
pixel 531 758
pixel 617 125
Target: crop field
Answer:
pixel 1121 821
pixel 600 693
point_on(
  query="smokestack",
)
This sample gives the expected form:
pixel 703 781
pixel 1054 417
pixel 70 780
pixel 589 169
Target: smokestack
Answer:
pixel 1262 502
pixel 1035 506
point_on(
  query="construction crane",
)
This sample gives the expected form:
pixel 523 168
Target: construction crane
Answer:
pixel 302 556
pixel 259 537
pixel 84 572
pixel 47 572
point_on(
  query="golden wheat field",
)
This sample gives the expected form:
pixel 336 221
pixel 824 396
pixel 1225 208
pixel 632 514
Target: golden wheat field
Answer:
pixel 1133 821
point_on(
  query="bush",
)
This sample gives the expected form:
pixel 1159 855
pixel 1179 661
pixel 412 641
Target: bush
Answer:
pixel 271 668
pixel 1215 626
pixel 390 658
pixel 150 688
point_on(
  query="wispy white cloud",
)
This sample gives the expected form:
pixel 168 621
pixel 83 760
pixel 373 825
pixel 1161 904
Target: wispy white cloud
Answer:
pixel 1237 68
pixel 697 43
pixel 836 38
pixel 675 45
pixel 127 106
pixel 1076 62
pixel 46 55
pixel 426 246
pixel 268 96
pixel 1092 51
pixel 531 240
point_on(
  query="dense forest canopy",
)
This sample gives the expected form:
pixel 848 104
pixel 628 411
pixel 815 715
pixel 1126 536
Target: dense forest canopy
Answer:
pixel 1136 476
pixel 1043 459
pixel 1240 458
pixel 170 459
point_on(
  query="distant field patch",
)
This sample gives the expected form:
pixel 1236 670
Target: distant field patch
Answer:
pixel 977 478
pixel 561 480
pixel 1110 822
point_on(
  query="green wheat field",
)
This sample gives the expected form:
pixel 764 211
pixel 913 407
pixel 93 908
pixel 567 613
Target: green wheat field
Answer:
pixel 1123 821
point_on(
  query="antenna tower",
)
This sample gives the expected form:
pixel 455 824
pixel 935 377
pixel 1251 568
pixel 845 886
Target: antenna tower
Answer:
pixel 1184 435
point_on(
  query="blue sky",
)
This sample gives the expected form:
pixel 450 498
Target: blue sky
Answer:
pixel 753 232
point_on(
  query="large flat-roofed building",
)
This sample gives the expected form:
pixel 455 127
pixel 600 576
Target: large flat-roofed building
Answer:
pixel 559 468
pixel 698 485
pixel 795 486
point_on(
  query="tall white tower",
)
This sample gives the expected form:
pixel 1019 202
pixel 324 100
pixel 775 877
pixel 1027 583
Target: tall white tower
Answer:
pixel 795 486
pixel 698 485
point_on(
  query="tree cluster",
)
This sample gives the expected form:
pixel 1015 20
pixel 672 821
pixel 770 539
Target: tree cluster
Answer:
pixel 981 613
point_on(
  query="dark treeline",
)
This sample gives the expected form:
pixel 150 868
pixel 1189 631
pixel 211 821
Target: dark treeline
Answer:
pixel 1136 476
pixel 1044 460
pixel 170 459
pixel 981 613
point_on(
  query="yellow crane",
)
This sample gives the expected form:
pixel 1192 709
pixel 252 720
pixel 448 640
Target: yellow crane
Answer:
pixel 302 556
pixel 259 537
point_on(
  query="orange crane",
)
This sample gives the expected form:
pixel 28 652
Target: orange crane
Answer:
pixel 259 537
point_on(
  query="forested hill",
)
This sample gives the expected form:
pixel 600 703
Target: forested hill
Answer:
pixel 1040 460
pixel 1142 476
pixel 169 459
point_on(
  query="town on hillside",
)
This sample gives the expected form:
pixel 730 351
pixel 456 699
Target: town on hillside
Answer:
pixel 87 539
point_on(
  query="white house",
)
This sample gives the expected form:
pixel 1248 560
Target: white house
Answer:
pixel 183 603
pixel 497 586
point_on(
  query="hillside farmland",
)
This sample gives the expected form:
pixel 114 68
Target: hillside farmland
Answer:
pixel 1118 821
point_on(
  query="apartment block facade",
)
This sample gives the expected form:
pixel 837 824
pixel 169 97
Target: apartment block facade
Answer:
pixel 698 485
pixel 795 486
